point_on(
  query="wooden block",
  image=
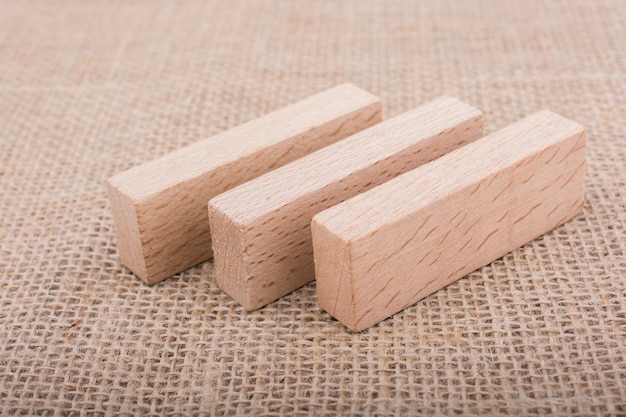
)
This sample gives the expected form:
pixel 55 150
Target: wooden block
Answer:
pixel 384 250
pixel 261 229
pixel 159 208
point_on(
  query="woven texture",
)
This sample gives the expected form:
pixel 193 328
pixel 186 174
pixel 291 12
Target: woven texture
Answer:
pixel 91 88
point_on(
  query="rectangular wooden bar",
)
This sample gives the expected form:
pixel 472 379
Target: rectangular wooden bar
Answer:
pixel 262 237
pixel 384 250
pixel 159 208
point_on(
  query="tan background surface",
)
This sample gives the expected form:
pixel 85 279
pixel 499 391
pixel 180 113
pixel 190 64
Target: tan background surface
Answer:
pixel 90 88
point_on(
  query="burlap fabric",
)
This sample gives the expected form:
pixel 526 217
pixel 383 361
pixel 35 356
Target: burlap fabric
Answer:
pixel 88 89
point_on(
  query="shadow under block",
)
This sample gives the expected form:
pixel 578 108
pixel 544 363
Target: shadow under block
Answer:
pixel 384 250
pixel 261 229
pixel 159 208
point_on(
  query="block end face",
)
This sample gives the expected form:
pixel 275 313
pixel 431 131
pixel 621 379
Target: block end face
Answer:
pixel 229 250
pixel 127 231
pixel 333 272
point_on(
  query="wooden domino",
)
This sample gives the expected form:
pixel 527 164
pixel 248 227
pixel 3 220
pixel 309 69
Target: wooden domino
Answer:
pixel 385 249
pixel 261 229
pixel 159 208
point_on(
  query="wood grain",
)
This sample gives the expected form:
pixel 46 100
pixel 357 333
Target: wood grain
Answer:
pixel 159 208
pixel 261 229
pixel 384 250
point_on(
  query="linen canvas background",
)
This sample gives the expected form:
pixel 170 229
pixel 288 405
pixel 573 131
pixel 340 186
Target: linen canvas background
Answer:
pixel 91 88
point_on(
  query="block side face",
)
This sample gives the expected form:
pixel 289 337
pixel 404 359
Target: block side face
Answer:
pixel 229 252
pixel 126 227
pixel 466 229
pixel 333 273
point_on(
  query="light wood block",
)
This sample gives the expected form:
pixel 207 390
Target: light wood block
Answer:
pixel 384 250
pixel 159 208
pixel 261 229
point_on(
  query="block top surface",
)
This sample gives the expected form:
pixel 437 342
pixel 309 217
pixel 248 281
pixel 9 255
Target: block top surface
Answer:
pixel 218 150
pixel 334 162
pixel 427 184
